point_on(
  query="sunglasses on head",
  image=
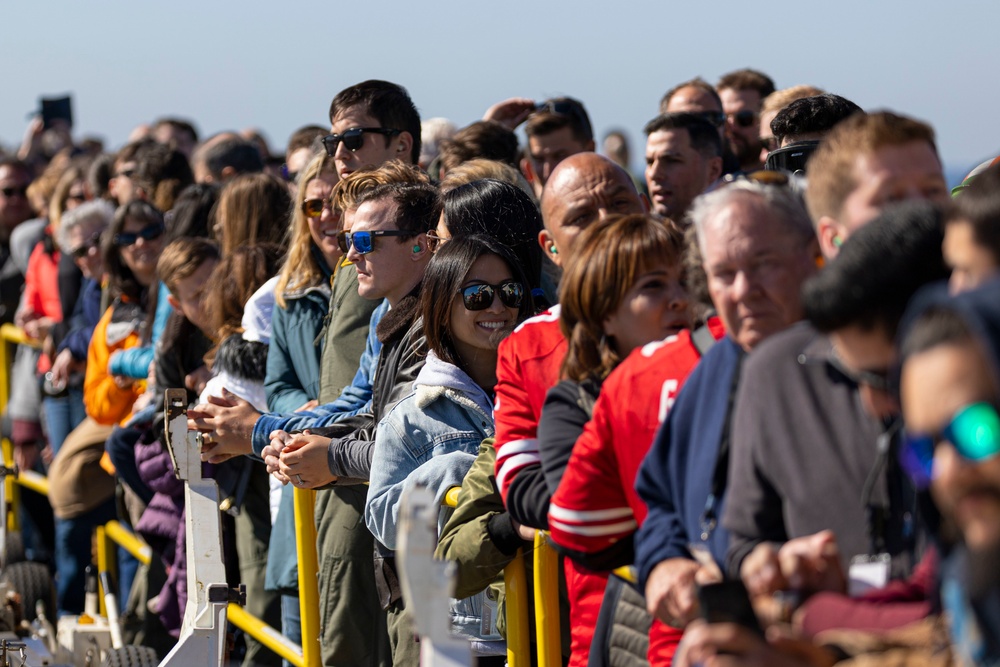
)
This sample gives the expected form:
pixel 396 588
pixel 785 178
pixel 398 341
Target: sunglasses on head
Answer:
pixel 364 242
pixel 760 176
pixel 480 297
pixel 716 118
pixel 313 208
pixel 11 191
pixel 149 232
pixel 353 138
pixel 745 118
pixel 564 108
pixel 974 431
pixel 84 248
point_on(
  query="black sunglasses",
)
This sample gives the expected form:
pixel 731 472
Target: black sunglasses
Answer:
pixel 149 232
pixel 565 108
pixel 289 176
pixel 10 192
pixel 480 297
pixel 745 118
pixel 84 248
pixel 364 242
pixel 353 138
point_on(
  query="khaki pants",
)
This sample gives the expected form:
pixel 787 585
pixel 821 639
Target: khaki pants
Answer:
pixel 352 626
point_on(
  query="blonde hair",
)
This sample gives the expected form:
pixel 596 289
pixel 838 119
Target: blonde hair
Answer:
pixel 831 168
pixel 349 190
pixel 481 168
pixel 301 268
pixel 780 99
pixel 57 204
pixel 252 208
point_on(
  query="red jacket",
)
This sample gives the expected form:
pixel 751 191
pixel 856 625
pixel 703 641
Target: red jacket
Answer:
pixel 596 505
pixel 528 364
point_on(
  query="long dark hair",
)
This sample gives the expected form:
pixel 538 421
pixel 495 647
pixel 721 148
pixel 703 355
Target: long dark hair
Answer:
pixel 501 211
pixel 443 278
pixel 121 281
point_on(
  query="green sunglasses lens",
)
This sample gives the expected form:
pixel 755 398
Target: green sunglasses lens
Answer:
pixel 975 432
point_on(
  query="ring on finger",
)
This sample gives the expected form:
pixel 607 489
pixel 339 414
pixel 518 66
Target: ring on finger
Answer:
pixel 298 480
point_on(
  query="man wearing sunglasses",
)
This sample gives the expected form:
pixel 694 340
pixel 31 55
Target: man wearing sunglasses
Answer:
pixel 949 397
pixel 742 93
pixel 371 123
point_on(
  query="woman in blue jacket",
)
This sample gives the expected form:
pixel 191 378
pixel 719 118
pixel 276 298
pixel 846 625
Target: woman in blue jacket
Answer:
pixel 473 295
pixel 302 298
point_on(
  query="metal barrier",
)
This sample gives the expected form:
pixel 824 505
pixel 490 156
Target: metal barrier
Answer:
pixel 308 655
pixel 10 336
pixel 515 581
pixel 114 533
pixel 547 602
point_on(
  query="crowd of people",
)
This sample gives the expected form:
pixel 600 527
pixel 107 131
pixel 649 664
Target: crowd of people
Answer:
pixel 765 373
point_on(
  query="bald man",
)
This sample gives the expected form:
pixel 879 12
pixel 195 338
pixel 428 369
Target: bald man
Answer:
pixel 581 190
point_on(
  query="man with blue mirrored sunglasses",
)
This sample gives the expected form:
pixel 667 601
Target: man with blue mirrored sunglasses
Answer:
pixel 949 395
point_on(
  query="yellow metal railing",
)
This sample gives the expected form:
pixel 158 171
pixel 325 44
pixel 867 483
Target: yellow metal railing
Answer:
pixel 515 582
pixel 10 336
pixel 547 602
pixel 113 533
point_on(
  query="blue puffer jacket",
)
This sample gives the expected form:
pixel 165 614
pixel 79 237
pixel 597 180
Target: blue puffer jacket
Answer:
pixel 430 438
pixel 134 362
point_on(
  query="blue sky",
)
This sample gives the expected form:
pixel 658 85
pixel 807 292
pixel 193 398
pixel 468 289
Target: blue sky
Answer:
pixel 277 65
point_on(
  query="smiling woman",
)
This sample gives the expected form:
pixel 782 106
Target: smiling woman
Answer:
pixel 473 295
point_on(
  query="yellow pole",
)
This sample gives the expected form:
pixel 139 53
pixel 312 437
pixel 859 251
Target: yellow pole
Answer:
pixel 547 602
pixel 305 547
pixel 264 633
pixel 128 541
pixel 515 580
pixel 105 563
pixel 9 337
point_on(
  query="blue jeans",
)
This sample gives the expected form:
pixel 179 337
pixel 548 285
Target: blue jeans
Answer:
pixel 62 415
pixel 291 621
pixel 73 546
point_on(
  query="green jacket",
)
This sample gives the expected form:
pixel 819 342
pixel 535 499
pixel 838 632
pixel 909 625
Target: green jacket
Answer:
pixel 346 333
pixel 479 537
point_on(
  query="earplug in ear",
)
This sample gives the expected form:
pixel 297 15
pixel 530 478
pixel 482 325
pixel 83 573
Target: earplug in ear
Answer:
pixel 416 248
pixel 554 250
pixel 837 241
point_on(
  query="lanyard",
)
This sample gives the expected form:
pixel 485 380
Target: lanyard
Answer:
pixel 877 516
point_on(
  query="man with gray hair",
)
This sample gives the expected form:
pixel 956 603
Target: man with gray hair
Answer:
pixel 757 247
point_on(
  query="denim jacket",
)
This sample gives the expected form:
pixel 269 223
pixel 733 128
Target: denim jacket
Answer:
pixel 430 438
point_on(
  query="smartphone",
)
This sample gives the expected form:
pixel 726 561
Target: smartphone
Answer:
pixel 728 602
pixel 58 108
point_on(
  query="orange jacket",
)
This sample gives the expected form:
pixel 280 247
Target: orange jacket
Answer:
pixel 118 329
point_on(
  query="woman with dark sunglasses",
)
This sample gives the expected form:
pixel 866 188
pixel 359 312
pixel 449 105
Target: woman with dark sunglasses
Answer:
pixel 474 294
pixel 81 492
